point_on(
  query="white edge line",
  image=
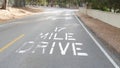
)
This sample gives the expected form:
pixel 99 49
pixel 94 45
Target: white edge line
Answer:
pixel 98 44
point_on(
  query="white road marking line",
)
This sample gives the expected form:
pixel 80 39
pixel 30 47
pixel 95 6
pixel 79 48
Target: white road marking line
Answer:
pixel 50 35
pixel 58 29
pixel 55 37
pixel 67 18
pixel 61 29
pixel 53 45
pixel 44 42
pixel 31 42
pixel 44 36
pixel 78 49
pixel 78 43
pixel 69 36
pixel 82 54
pixel 63 51
pixel 98 44
pixel 74 51
pixel 25 50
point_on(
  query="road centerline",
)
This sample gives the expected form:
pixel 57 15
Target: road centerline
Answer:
pixel 11 43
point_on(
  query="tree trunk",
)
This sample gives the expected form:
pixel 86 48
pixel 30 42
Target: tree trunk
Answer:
pixel 19 3
pixel 4 5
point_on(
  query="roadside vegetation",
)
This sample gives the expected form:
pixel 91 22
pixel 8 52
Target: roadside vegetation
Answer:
pixel 104 5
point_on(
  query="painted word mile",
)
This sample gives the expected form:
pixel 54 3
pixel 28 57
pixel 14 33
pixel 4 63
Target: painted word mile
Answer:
pixel 53 41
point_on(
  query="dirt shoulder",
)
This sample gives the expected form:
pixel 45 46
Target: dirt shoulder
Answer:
pixel 106 32
pixel 14 13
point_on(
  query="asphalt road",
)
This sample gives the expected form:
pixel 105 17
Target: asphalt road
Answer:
pixel 52 39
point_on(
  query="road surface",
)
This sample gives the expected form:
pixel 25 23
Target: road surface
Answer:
pixel 55 38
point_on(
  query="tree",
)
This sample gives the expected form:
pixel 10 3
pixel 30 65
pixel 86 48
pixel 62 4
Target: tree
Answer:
pixel 19 3
pixel 4 5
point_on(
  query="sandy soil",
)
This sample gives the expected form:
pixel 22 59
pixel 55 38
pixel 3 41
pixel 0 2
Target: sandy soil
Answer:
pixel 13 13
pixel 106 32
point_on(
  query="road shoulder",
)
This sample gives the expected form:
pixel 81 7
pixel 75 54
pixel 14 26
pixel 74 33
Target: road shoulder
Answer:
pixel 108 34
pixel 14 13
